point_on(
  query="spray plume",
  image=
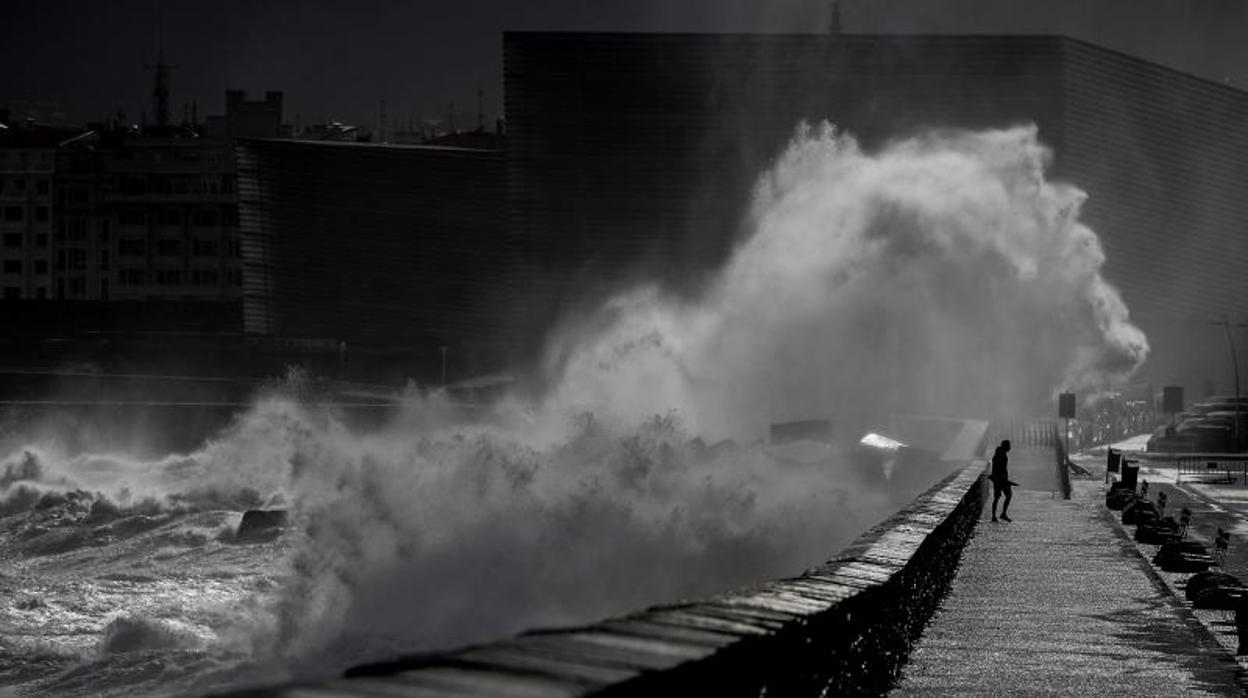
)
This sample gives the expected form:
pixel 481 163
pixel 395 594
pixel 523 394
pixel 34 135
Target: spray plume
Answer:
pixel 941 275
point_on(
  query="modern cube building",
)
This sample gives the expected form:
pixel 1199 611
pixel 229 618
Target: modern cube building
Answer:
pixel 632 151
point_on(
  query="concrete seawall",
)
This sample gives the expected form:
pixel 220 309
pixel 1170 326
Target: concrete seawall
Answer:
pixel 843 628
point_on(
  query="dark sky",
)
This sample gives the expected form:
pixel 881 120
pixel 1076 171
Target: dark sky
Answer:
pixel 339 59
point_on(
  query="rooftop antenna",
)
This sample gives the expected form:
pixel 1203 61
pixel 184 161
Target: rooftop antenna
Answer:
pixel 381 136
pixel 834 27
pixel 480 109
pixel 160 85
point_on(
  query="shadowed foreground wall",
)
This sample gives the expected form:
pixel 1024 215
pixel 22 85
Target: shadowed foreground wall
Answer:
pixel 842 628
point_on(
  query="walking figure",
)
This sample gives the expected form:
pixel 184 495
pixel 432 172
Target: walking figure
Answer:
pixel 1001 482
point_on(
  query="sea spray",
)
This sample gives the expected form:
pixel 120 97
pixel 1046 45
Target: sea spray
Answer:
pixel 943 274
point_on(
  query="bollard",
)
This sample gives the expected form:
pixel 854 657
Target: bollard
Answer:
pixel 1220 546
pixel 1130 474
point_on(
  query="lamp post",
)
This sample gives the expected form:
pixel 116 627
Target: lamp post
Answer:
pixel 443 348
pixel 1230 342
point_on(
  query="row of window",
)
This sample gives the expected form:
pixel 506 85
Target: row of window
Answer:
pixel 19 187
pixel 174 216
pixel 15 292
pixel 17 214
pixel 135 276
pixel 15 240
pixel 173 248
pixel 25 156
pixel 139 185
pixel 130 246
pixel 14 266
pixel 200 217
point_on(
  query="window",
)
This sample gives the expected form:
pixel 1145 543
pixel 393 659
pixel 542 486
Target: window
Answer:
pixel 206 217
pixel 41 240
pixel 14 214
pixel 170 216
pixel 77 258
pixel 230 216
pixel 231 247
pixel 133 276
pixel 76 195
pixel 41 293
pixel 76 229
pixel 103 289
pixel 41 267
pixel 42 187
pixel 12 266
pixel 168 248
pixel 104 230
pixel 41 214
pixel 236 278
pixel 133 216
pixel 12 293
pixel 19 186
pixel 133 185
pixel 12 239
pixel 205 277
pixel 205 248
pixel 104 260
pixel 131 246
pixel 77 287
pixel 168 277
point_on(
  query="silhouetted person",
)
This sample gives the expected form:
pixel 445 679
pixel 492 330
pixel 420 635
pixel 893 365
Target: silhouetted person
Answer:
pixel 1001 483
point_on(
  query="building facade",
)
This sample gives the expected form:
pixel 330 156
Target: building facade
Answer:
pixel 639 151
pixel 27 170
pixel 118 213
pixel 390 249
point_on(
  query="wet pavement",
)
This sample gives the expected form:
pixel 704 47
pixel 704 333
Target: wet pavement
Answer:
pixel 1215 504
pixel 1061 602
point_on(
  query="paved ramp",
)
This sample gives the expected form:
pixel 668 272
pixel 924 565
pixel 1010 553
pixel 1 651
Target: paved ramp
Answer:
pixel 1058 602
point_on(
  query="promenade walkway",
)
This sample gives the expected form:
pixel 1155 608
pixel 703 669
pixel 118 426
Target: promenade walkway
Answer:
pixel 1059 602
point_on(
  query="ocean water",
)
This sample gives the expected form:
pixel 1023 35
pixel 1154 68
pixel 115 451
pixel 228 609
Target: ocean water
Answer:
pixel 101 598
pixel 124 576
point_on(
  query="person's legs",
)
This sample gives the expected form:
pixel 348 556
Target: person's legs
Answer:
pixel 1009 494
pixel 996 497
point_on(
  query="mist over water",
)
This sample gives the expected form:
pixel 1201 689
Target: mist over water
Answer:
pixel 940 275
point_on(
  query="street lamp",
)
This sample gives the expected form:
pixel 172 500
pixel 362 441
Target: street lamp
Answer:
pixel 444 348
pixel 1230 342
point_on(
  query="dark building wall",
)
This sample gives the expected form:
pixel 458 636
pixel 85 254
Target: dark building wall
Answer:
pixel 634 155
pixel 631 151
pixel 1164 158
pixel 378 246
